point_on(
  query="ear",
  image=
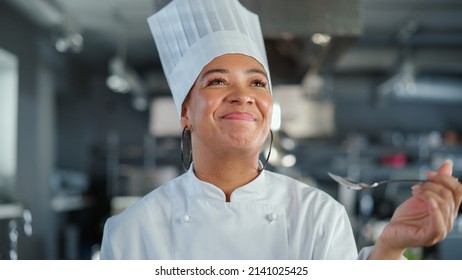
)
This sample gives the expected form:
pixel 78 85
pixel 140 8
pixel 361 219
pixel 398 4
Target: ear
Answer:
pixel 184 115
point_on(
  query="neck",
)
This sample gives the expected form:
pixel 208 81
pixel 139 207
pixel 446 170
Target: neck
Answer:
pixel 226 173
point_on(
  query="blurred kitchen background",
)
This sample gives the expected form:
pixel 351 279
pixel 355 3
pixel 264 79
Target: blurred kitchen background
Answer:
pixel 368 89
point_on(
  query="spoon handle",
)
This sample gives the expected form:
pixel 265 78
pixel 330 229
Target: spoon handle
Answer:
pixel 399 181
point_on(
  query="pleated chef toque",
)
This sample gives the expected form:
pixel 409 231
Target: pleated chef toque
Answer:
pixel 191 33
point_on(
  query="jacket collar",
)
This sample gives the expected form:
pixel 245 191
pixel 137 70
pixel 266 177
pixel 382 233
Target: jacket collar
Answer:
pixel 244 193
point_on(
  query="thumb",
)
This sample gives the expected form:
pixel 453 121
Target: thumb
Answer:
pixel 446 167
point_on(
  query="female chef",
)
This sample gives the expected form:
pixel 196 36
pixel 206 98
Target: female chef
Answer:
pixel 226 206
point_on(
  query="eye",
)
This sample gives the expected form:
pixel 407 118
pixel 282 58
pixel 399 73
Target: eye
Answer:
pixel 259 83
pixel 217 82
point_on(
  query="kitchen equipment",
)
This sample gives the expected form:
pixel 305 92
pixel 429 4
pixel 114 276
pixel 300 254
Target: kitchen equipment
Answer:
pixel 360 185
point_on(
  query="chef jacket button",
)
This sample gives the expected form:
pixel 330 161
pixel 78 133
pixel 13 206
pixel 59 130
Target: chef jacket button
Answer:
pixel 186 218
pixel 272 217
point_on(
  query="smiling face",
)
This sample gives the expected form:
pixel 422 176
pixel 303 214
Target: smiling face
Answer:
pixel 229 106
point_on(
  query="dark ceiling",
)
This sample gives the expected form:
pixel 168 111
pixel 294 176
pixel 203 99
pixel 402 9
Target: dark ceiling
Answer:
pixel 366 36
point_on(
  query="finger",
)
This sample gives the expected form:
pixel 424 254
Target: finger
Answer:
pixel 443 195
pixel 440 209
pixel 446 167
pixel 440 225
pixel 445 187
pixel 435 228
pixel 450 183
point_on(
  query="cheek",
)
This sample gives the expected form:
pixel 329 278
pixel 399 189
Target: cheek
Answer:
pixel 266 106
pixel 202 107
pixel 208 104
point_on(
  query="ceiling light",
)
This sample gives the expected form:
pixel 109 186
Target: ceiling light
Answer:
pixel 118 84
pixel 72 42
pixel 118 79
pixel 321 39
pixel 288 143
pixel 288 160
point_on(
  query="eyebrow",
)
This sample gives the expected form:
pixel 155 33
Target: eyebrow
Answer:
pixel 218 70
pixel 256 71
pixel 225 71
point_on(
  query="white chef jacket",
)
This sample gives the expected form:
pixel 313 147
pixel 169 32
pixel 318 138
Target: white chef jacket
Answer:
pixel 272 217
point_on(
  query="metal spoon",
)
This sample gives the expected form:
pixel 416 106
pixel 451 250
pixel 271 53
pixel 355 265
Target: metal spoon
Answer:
pixel 360 185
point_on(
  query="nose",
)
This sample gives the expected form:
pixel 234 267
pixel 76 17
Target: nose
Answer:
pixel 240 96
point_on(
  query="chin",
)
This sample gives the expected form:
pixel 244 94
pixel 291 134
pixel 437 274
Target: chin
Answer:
pixel 245 143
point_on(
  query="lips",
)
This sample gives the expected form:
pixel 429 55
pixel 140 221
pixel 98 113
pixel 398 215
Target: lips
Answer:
pixel 239 116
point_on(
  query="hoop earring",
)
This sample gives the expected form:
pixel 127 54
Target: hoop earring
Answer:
pixel 269 153
pixel 186 148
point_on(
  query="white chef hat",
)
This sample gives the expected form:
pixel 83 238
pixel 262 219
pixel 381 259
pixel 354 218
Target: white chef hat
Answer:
pixel 191 33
